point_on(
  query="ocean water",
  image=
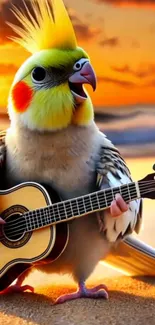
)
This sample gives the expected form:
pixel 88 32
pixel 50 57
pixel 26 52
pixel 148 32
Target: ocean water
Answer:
pixel 132 131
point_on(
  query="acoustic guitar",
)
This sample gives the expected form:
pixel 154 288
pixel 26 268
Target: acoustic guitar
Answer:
pixel 37 231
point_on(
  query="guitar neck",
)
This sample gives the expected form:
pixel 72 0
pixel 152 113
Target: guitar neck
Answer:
pixel 77 207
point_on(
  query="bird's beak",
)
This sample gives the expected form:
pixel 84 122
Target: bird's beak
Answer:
pixel 84 76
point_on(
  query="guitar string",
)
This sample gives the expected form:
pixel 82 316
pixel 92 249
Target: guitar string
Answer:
pixel 75 204
pixel 31 214
pixel 60 206
pixel 18 232
pixel 36 217
pixel 89 197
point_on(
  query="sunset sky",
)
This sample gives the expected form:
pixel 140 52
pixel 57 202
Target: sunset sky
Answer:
pixel 120 39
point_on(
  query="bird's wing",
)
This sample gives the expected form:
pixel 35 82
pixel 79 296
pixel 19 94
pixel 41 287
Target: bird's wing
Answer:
pixel 112 171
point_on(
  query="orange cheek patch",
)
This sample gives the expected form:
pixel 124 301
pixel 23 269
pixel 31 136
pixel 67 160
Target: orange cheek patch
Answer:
pixel 22 95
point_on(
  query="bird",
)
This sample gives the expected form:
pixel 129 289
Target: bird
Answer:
pixel 53 139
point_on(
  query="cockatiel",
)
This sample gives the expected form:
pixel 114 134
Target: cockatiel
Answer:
pixel 53 140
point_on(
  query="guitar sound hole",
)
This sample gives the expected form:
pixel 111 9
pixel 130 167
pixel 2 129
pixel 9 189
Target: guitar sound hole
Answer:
pixel 15 227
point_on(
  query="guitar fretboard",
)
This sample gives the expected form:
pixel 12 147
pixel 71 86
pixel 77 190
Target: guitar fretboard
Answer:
pixel 67 210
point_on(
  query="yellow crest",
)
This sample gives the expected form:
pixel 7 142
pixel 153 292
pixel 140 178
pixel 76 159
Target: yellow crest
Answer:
pixel 45 25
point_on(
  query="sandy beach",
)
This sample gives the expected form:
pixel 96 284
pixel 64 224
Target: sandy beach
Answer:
pixel 131 301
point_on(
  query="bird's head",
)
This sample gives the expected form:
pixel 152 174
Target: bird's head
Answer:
pixel 47 92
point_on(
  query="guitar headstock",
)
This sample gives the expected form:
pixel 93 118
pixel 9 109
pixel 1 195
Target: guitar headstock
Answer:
pixel 147 186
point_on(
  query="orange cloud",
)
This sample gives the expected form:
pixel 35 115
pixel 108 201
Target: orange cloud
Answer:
pixel 151 83
pixel 110 42
pixel 141 72
pixel 117 82
pixel 83 31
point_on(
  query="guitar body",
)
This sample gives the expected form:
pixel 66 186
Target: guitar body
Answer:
pixel 18 253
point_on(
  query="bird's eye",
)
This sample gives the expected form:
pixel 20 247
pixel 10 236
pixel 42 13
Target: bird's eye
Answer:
pixel 77 66
pixel 39 74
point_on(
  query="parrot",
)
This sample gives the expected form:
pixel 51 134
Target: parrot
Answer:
pixel 53 139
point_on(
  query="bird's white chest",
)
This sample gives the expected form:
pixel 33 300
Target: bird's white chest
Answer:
pixel 68 166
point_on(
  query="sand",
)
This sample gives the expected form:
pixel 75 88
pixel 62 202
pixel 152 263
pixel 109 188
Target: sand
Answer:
pixel 131 301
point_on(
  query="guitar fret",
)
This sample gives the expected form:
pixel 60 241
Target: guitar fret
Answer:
pixel 62 211
pixel 83 202
pixel 40 220
pixel 78 206
pixel 39 215
pixel 124 191
pixel 32 221
pixel 109 195
pixel 88 203
pixel 28 222
pixel 81 207
pixel 105 199
pixel 94 201
pixel 65 210
pixel 128 191
pixel 51 213
pixel 101 199
pixel 113 194
pixel 115 191
pixel 46 217
pixel 75 207
pixel 55 213
pixel 98 203
pixel 133 191
pixel 68 209
pixel 71 208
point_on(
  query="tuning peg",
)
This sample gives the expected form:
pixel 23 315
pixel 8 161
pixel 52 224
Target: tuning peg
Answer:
pixel 153 167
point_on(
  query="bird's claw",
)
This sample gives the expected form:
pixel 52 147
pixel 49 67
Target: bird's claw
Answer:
pixel 99 291
pixel 17 288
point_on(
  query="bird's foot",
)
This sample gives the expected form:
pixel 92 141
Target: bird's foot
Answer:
pixel 17 288
pixel 99 291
